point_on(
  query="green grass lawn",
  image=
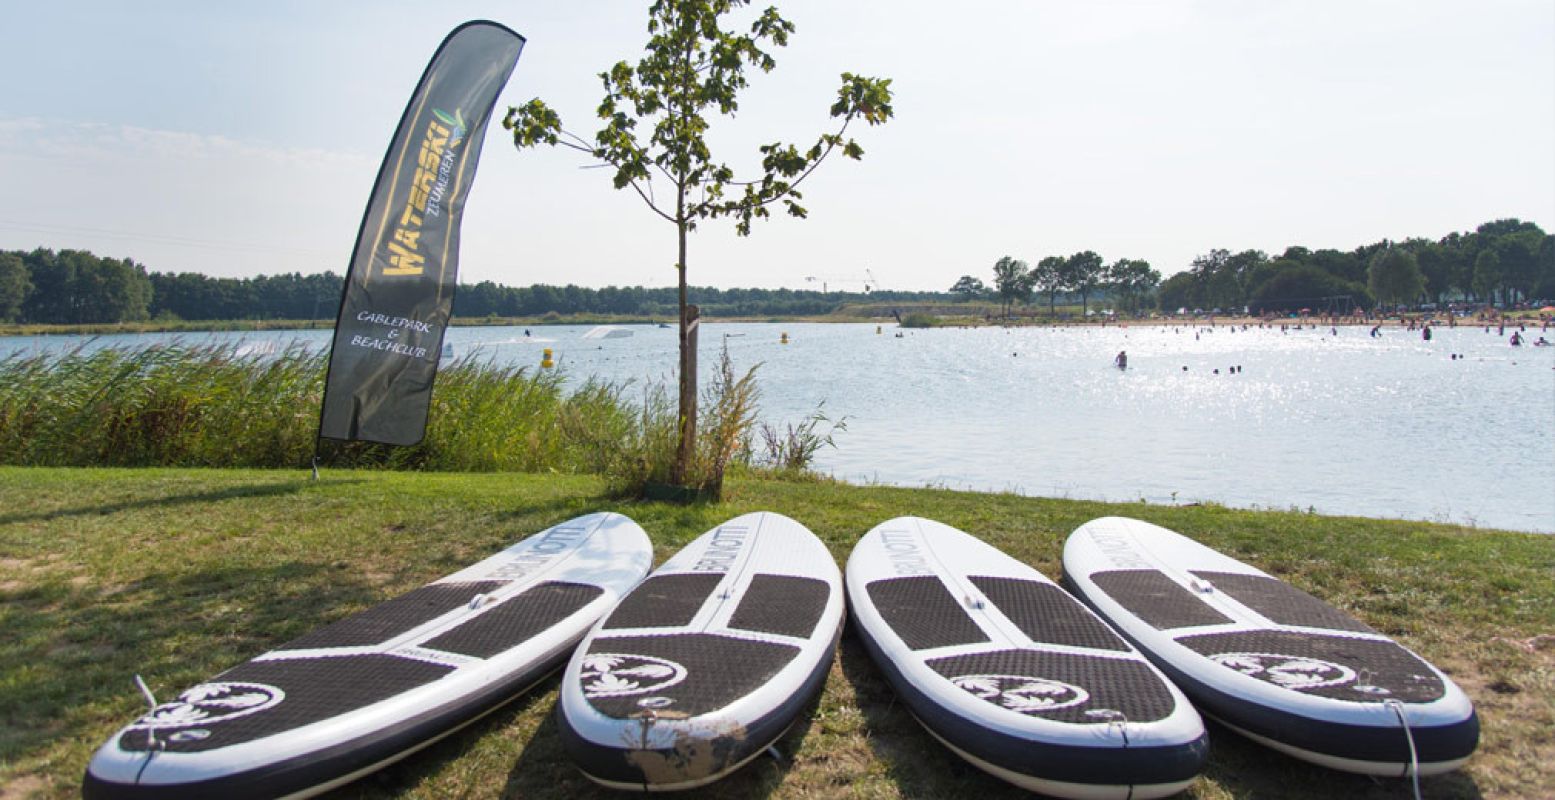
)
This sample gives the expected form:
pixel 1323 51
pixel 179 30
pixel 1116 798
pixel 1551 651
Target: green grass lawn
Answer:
pixel 178 574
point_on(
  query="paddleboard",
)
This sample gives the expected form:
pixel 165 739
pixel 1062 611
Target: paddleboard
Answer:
pixel 1012 673
pixel 705 664
pixel 365 691
pixel 1269 660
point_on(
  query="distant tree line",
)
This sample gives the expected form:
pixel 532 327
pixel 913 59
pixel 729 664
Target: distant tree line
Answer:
pixel 1128 282
pixel 190 295
pixel 491 299
pixel 76 287
pixel 72 286
pixel 1506 261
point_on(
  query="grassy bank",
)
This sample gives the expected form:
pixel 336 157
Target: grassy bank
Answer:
pixel 174 405
pixel 178 574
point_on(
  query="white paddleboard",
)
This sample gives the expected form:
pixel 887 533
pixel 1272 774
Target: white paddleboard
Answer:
pixel 1012 673
pixel 705 664
pixel 368 690
pixel 1268 659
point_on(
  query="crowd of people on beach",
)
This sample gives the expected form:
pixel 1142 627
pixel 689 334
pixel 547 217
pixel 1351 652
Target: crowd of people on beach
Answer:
pixel 1522 329
pixel 1423 325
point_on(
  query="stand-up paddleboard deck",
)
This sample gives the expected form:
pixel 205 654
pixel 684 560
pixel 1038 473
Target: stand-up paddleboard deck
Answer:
pixel 1268 659
pixel 708 661
pixel 1014 674
pixel 369 689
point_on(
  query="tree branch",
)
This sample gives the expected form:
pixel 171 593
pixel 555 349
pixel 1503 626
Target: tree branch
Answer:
pixel 649 200
pixel 736 206
pixel 581 145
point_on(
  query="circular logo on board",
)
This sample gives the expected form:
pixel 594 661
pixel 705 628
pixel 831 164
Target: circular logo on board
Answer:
pixel 1290 672
pixel 210 703
pixel 1023 693
pixel 623 675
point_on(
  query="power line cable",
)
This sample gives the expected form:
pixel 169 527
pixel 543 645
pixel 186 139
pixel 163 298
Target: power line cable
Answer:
pixel 178 241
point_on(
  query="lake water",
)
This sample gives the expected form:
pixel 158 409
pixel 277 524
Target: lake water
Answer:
pixel 1342 424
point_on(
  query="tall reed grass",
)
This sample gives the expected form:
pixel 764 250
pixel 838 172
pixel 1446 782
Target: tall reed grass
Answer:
pixel 179 405
pixel 790 450
pixel 209 406
pixel 639 456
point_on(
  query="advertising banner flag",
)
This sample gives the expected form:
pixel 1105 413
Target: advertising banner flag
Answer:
pixel 399 289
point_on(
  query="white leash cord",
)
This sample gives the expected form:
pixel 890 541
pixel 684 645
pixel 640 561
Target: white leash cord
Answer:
pixel 1409 736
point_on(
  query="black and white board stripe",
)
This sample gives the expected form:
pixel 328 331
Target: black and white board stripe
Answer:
pixel 1012 673
pixel 706 663
pixel 1269 660
pixel 363 692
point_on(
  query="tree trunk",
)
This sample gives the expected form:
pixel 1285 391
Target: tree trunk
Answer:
pixel 689 317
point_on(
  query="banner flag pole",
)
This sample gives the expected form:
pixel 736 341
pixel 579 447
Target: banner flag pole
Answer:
pixel 399 288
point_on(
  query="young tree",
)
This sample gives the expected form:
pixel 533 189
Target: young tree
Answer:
pixel 655 118
pixel 1012 280
pixel 969 287
pixel 1394 277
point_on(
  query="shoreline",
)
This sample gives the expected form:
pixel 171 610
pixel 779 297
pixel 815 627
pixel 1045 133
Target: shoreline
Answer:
pixel 1531 319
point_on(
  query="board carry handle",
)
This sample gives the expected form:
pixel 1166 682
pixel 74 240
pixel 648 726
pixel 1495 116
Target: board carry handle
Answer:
pixel 1116 720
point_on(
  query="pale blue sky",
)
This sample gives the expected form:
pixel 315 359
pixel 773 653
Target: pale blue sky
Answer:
pixel 235 138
